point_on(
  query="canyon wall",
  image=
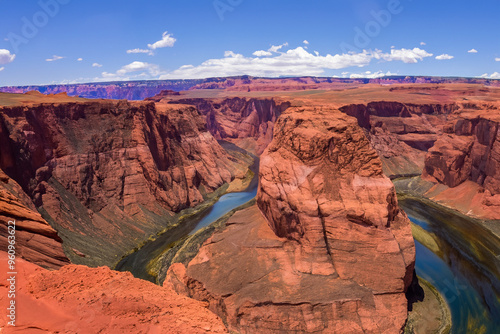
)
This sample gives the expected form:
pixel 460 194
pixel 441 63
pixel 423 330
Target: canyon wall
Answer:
pixel 326 248
pixel 469 150
pixel 401 133
pixel 107 174
pixel 454 146
pixel 33 238
pixel 248 122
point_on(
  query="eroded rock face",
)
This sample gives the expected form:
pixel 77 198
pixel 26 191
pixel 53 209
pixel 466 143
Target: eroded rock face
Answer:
pixel 78 299
pixel 401 133
pixel 35 240
pixel 328 251
pixel 107 174
pixel 241 118
pixel 469 151
pixel 322 185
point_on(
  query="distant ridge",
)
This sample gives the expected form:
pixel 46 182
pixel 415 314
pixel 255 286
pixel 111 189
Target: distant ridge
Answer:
pixel 140 90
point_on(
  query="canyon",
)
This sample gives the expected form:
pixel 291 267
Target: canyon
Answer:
pixel 325 248
pixel 108 174
pixel 330 223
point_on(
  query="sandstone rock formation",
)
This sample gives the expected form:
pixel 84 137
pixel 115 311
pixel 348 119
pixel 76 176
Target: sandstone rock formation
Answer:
pixel 469 151
pixel 328 251
pixel 401 133
pixel 107 174
pixel 240 120
pixel 35 240
pixel 78 299
pixel 163 94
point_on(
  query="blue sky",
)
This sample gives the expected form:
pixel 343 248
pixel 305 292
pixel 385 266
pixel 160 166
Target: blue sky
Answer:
pixel 67 41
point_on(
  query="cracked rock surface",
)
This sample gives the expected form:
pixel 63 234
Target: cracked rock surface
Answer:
pixel 326 249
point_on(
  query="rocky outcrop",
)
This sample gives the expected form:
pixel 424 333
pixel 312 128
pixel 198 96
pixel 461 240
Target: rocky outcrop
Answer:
pixel 469 151
pixel 163 94
pixel 241 118
pixel 107 174
pixel 401 133
pixel 78 299
pixel 35 240
pixel 328 251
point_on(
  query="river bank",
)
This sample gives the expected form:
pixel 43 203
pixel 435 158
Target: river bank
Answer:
pixel 422 320
pixel 146 261
pixel 459 257
pixel 185 221
pixel 461 205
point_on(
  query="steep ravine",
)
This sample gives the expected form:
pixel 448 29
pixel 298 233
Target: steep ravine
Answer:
pixel 246 122
pixel 108 174
pixel 325 248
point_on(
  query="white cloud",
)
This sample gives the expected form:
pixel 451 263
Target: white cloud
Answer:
pixel 408 56
pixel 276 48
pixel 96 65
pixel 54 58
pixel 497 59
pixel 166 41
pixel 232 54
pixel 306 42
pixel 139 66
pixel 369 75
pixel 79 59
pixel 6 57
pixel 2 68
pixel 444 56
pixel 494 75
pixel 293 62
pixel 262 53
pixel 138 51
pixel 423 43
pixel 472 51
pixel 128 72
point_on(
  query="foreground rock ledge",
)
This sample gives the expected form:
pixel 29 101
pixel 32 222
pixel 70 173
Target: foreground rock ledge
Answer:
pixel 78 299
pixel 326 249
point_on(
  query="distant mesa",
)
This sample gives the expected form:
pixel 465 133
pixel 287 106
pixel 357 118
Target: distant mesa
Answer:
pixel 140 90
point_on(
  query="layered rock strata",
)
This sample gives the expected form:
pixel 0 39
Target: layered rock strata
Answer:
pixel 247 122
pixel 470 150
pixel 325 250
pixel 401 133
pixel 32 237
pixel 107 174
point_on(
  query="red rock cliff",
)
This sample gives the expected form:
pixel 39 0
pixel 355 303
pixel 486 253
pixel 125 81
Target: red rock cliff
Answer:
pixel 35 240
pixel 329 251
pixel 107 174
pixel 470 150
pixel 401 133
pixel 240 118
